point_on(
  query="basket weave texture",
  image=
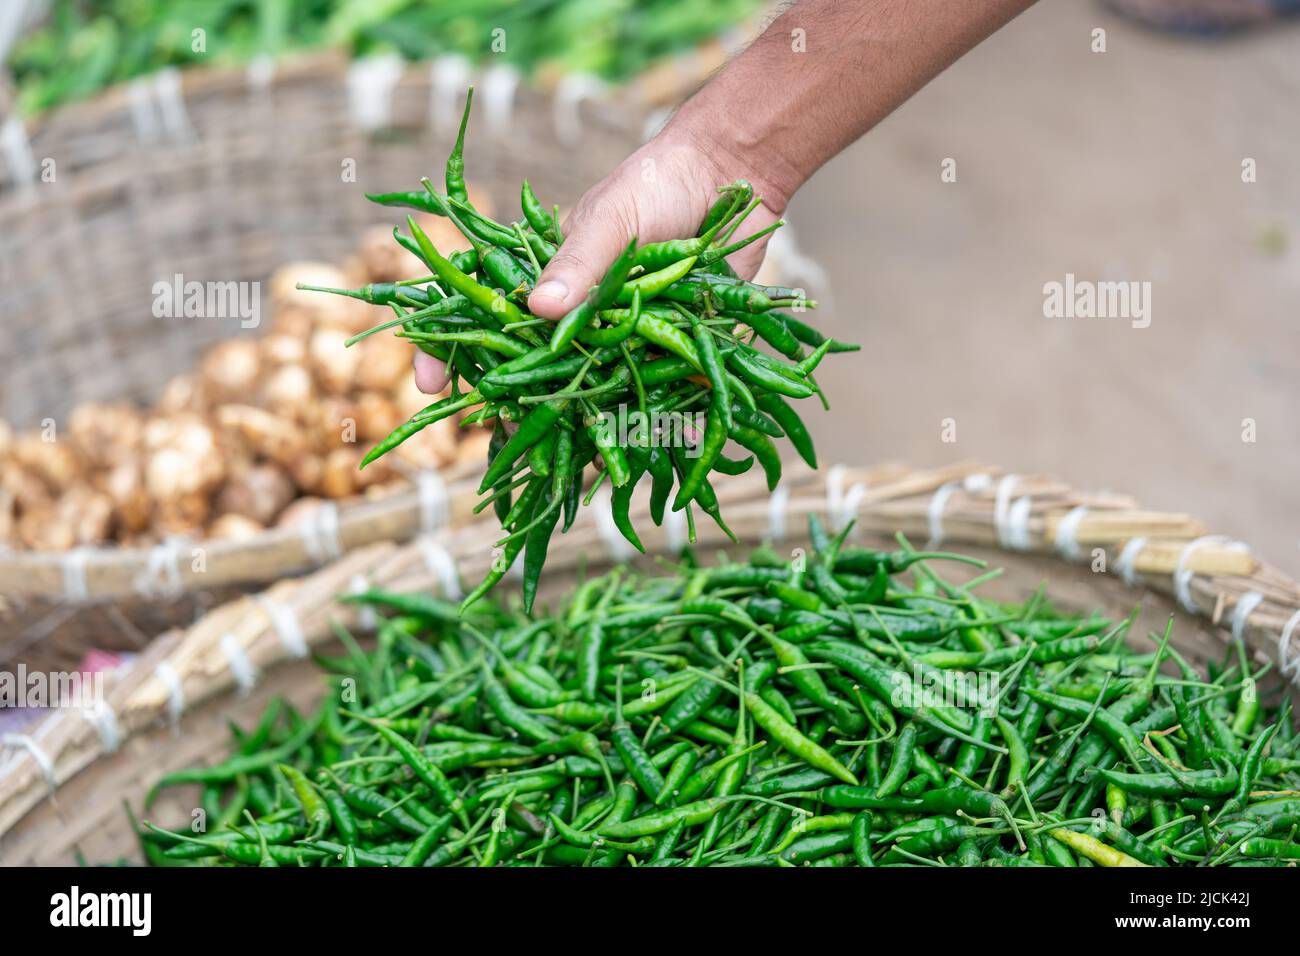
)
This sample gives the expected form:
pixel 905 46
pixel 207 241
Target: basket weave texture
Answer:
pixel 224 175
pixel 62 786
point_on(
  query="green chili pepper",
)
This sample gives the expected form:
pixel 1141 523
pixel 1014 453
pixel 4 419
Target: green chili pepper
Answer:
pixel 424 769
pixel 794 429
pixel 536 213
pixel 427 842
pixel 768 457
pixel 601 297
pixel 313 805
pixel 652 284
pixel 456 160
pixel 490 301
pixel 634 757
pixel 1201 783
pixel 900 764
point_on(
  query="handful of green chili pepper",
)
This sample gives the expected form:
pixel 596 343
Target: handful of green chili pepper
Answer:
pixel 697 719
pixel 651 375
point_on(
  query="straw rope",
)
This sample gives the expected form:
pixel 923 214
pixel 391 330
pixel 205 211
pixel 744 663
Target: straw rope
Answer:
pixel 124 572
pixel 244 641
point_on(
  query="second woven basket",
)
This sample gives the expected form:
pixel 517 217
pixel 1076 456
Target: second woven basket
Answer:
pixel 61 786
pixel 225 175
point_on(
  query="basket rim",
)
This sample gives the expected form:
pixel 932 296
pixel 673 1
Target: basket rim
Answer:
pixel 1240 597
pixel 90 574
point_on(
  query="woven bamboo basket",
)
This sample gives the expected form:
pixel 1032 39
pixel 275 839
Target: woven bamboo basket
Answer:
pixel 61 786
pixel 225 175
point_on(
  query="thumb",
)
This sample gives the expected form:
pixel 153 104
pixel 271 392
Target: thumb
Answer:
pixel 594 238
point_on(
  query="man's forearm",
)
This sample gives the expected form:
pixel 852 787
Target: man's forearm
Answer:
pixel 824 73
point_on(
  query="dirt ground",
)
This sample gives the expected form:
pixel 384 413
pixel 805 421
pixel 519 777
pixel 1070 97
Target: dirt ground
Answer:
pixel 1124 165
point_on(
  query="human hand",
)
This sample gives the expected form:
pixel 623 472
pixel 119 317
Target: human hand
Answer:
pixel 662 191
pixel 772 115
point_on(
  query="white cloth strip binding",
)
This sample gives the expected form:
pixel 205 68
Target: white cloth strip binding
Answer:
pixel 37 752
pixel 161 576
pixel 171 104
pixel 777 503
pixel 168 677
pixel 370 83
pixel 1183 576
pixel 971 484
pixel 448 78
pixel 143 117
pixel 241 666
pixel 260 72
pixel 1246 605
pixel 654 123
pixel 442 566
pixel 435 506
pixel 497 90
pixel 367 616
pixel 15 17
pixel 320 533
pixel 1289 667
pixel 102 718
pixel 934 511
pixel 285 623
pixel 1067 542
pixel 835 489
pixel 1018 523
pixel 1002 505
pixel 1125 564
pixel 570 93
pixel 675 529
pixel 74 574
pixel 619 548
pixel 10 758
pixel 848 510
pixel 17 151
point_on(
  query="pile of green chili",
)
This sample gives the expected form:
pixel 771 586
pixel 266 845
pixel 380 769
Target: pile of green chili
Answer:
pixel 846 707
pixel 665 339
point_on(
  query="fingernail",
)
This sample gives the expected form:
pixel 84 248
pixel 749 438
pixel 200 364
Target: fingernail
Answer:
pixel 430 374
pixel 552 289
